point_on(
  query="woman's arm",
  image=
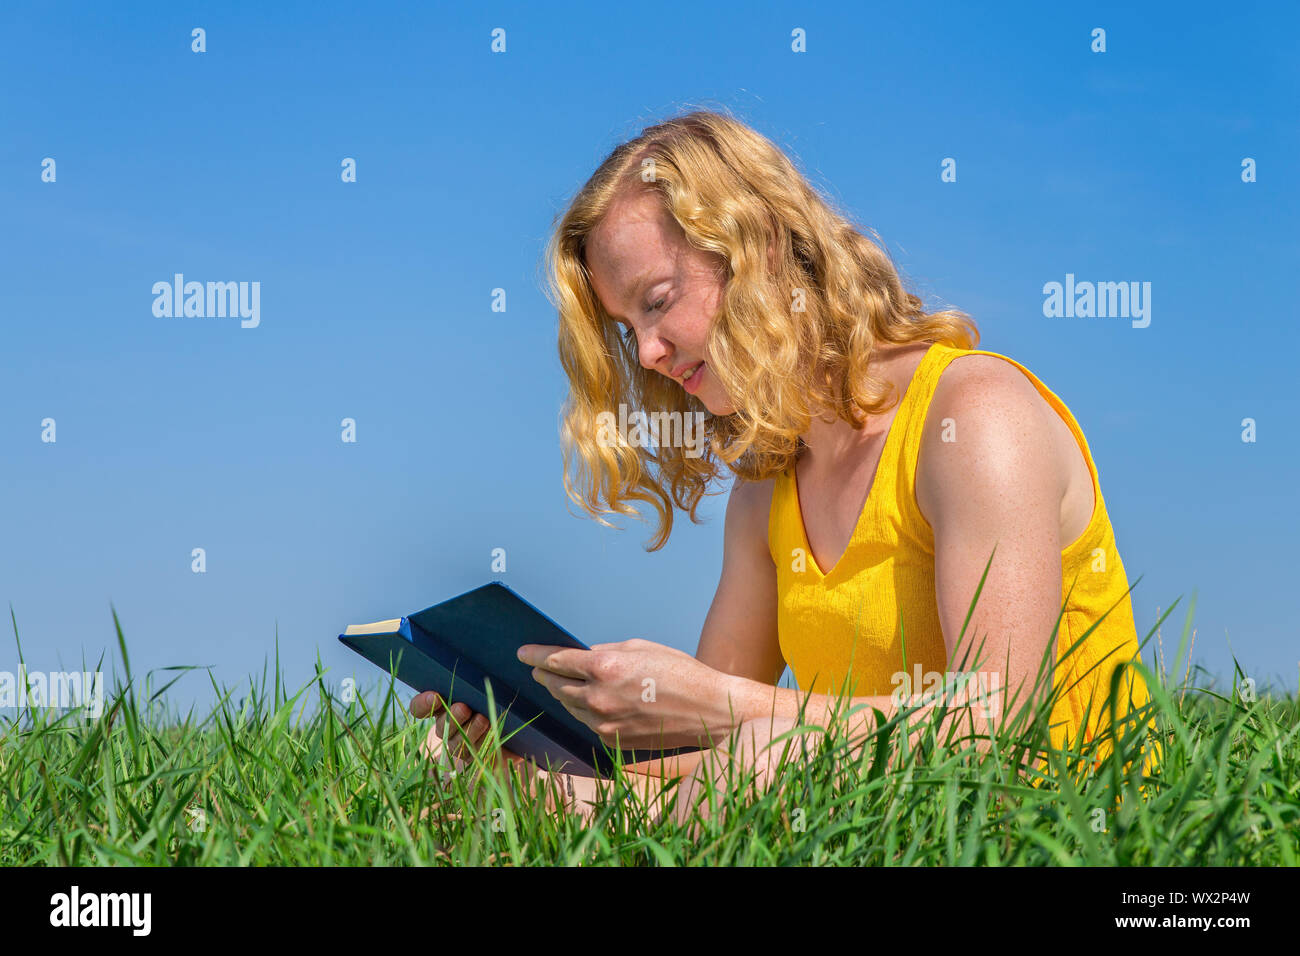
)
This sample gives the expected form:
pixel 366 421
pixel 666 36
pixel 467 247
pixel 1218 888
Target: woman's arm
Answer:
pixel 739 635
pixel 998 484
pixel 640 694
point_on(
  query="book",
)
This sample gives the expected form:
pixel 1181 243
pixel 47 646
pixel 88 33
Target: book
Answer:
pixel 466 643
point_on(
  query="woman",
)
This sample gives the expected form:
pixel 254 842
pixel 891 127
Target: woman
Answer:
pixel 884 468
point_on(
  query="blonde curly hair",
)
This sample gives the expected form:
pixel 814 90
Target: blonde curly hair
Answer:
pixel 734 193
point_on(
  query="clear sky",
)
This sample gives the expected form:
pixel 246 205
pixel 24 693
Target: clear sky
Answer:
pixel 376 296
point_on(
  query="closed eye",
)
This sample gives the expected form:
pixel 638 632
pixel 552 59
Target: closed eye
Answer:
pixel 629 333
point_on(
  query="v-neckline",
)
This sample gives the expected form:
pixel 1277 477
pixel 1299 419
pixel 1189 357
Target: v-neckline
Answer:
pixel 871 490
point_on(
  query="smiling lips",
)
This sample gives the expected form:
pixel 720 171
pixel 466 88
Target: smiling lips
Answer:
pixel 692 381
pixel 692 370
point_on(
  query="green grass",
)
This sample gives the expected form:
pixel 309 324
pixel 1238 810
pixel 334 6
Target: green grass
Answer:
pixel 283 779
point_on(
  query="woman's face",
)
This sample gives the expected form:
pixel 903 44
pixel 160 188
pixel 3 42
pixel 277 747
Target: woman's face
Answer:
pixel 656 283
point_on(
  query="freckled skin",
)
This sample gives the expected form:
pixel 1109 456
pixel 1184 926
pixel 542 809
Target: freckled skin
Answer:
pixel 1016 478
pixel 638 235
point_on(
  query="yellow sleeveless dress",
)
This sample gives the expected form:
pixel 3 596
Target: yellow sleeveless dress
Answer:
pixel 849 627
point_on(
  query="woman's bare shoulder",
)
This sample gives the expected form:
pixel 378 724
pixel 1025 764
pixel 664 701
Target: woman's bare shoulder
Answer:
pixel 748 508
pixel 969 381
pixel 985 409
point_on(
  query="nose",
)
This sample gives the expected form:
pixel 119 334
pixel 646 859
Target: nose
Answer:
pixel 651 349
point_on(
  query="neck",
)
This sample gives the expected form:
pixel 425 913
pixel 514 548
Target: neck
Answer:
pixel 831 439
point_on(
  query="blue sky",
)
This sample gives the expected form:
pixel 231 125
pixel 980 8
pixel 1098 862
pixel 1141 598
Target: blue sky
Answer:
pixel 176 433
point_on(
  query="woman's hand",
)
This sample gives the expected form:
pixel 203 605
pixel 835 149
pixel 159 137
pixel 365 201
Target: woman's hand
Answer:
pixel 458 728
pixel 639 694
pixel 455 731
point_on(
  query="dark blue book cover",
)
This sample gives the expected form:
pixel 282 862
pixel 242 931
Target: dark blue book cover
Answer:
pixel 462 645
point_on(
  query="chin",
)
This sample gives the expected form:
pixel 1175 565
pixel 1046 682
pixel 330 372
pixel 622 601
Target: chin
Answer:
pixel 716 407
